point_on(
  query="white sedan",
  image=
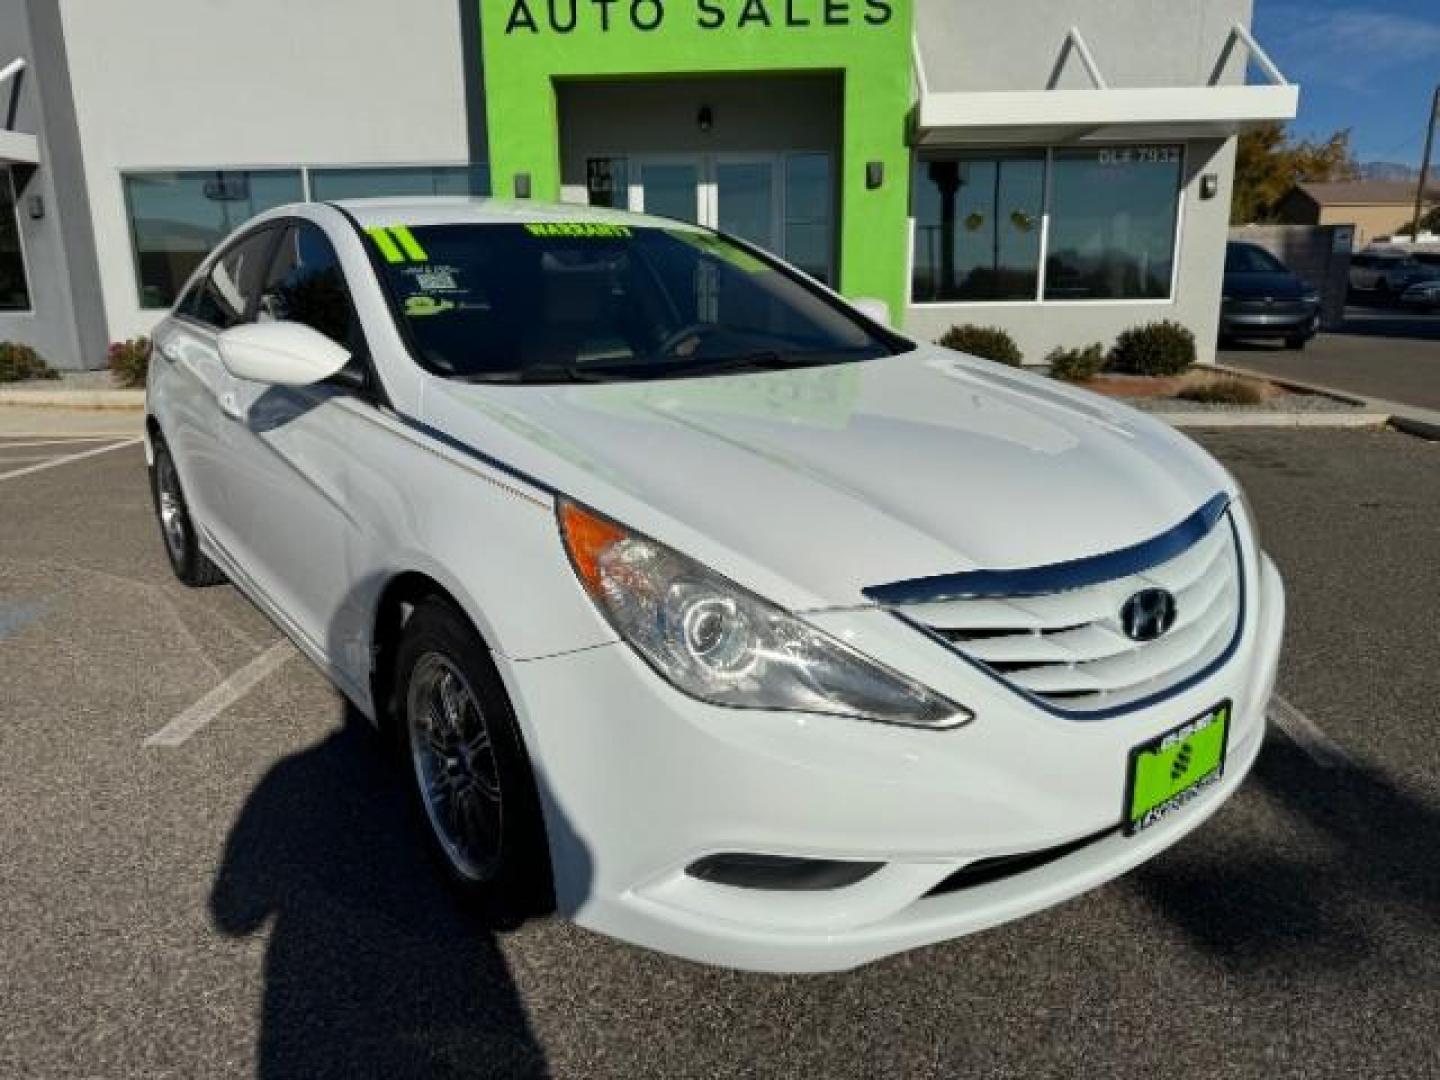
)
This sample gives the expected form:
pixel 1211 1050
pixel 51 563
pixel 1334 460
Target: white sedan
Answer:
pixel 697 602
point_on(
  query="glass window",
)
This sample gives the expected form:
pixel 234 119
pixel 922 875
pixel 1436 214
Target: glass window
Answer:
pixel 359 183
pixel 1249 259
pixel 224 300
pixel 14 287
pixel 558 301
pixel 1112 223
pixel 809 218
pixel 306 285
pixel 977 228
pixel 177 218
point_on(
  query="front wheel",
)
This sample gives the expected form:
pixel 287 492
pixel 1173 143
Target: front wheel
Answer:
pixel 177 528
pixel 1296 342
pixel 471 780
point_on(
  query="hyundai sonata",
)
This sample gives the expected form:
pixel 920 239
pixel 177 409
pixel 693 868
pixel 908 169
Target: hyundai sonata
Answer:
pixel 696 600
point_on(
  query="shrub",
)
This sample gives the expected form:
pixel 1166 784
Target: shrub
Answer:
pixel 988 342
pixel 1077 365
pixel 1160 348
pixel 1224 392
pixel 130 361
pixel 20 362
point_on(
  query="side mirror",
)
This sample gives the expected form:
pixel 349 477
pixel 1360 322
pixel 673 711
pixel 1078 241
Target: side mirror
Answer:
pixel 283 353
pixel 873 309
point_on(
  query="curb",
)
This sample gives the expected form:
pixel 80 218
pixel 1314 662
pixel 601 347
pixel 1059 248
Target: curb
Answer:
pixel 127 400
pixel 1276 419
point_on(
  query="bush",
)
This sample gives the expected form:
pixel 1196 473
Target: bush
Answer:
pixel 987 342
pixel 1077 365
pixel 1223 392
pixel 20 362
pixel 130 361
pixel 1160 348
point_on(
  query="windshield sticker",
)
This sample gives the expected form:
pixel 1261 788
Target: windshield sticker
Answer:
pixel 420 305
pixel 584 229
pixel 436 279
pixel 713 245
pixel 397 243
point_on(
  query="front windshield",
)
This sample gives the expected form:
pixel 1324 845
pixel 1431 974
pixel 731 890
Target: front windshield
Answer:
pixel 1249 259
pixel 557 301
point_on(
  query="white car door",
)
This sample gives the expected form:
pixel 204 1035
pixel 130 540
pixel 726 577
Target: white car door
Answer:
pixel 198 388
pixel 291 453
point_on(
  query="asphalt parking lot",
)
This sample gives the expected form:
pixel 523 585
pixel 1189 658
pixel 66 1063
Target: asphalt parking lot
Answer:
pixel 1391 353
pixel 248 901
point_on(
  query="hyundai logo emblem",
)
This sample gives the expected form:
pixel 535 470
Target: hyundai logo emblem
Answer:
pixel 1147 614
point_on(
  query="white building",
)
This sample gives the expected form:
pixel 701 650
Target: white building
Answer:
pixel 1061 168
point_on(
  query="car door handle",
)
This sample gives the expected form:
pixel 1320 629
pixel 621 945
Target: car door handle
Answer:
pixel 230 405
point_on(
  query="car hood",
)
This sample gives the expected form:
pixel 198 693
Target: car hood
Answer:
pixel 811 484
pixel 1259 286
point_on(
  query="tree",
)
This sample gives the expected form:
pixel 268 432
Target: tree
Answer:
pixel 1268 163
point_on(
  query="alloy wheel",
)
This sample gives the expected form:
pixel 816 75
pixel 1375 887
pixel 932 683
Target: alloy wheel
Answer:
pixel 455 766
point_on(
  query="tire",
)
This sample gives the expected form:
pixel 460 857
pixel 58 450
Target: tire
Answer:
pixel 484 829
pixel 177 530
pixel 1297 342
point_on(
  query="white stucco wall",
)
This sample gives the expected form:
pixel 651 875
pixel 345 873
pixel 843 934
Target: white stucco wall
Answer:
pixel 161 84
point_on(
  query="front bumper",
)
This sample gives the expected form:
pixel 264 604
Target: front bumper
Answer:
pixel 638 781
pixel 1283 321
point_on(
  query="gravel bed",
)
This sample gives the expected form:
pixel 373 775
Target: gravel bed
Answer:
pixel 1284 403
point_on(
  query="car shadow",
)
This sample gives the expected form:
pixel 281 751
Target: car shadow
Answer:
pixel 1384 849
pixel 372 966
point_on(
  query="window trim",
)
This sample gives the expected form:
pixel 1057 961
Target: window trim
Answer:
pixel 29 308
pixel 201 277
pixel 1169 300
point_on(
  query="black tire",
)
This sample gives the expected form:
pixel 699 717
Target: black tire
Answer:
pixel 1297 342
pixel 511 882
pixel 177 530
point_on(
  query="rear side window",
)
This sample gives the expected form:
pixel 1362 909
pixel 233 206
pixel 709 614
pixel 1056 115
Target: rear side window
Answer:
pixel 229 289
pixel 306 285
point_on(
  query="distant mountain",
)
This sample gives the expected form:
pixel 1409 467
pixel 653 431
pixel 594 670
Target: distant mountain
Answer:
pixel 1388 170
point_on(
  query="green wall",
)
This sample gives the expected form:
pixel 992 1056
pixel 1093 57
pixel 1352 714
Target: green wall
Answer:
pixel 529 44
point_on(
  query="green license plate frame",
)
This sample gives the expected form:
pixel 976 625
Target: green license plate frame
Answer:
pixel 1167 772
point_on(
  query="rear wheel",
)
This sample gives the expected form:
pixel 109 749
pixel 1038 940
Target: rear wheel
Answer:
pixel 470 777
pixel 176 527
pixel 1297 341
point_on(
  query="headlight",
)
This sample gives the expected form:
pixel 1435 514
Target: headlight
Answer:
pixel 717 642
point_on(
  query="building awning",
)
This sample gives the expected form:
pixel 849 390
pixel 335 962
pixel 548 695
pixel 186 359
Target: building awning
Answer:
pixel 16 147
pixel 1101 112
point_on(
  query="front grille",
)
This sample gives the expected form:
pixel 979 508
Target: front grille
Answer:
pixel 1068 647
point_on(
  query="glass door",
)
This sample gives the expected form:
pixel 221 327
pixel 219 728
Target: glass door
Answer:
pixel 745 199
pixel 781 202
pixel 668 186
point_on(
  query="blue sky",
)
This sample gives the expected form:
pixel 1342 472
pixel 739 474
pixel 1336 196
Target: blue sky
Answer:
pixel 1369 65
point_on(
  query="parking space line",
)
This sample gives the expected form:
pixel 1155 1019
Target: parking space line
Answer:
pixel 15 474
pixel 200 714
pixel 1306 734
pixel 8 442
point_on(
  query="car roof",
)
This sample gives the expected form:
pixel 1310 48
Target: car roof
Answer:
pixel 481 210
